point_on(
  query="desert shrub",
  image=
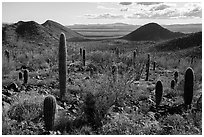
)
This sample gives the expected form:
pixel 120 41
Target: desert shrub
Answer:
pixel 24 116
pixel 197 67
pixel 179 125
pixel 173 124
pixel 120 124
pixel 27 108
pixel 101 59
pixel 12 127
pixel 7 67
pixel 99 98
pixel 130 124
pixel 85 130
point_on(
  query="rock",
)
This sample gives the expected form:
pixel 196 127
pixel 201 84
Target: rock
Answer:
pixel 43 92
pixel 13 86
pixel 59 108
pixel 6 99
pixel 37 77
pixel 137 82
pixel 151 115
pixel 86 78
pixel 6 92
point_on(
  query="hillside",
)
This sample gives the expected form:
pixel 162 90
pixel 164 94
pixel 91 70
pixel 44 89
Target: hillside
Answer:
pixel 32 32
pixel 151 32
pixel 55 29
pixel 189 41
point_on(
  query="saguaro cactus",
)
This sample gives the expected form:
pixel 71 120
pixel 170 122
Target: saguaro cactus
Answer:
pixel 7 54
pixel 20 75
pixel 134 57
pixel 147 68
pixel 117 52
pixel 84 57
pixel 172 84
pixel 62 65
pixel 49 110
pixel 176 76
pixel 80 52
pixel 154 65
pixel 188 86
pixel 25 76
pixel 158 92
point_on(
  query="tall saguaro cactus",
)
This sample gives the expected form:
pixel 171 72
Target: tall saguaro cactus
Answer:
pixel 20 75
pixel 176 76
pixel 7 54
pixel 172 84
pixel 25 76
pixel 154 65
pixel 62 65
pixel 49 110
pixel 134 57
pixel 80 52
pixel 84 57
pixel 188 86
pixel 158 92
pixel 147 68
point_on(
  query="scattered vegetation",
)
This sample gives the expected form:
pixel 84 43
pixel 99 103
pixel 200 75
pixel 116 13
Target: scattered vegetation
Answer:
pixel 106 89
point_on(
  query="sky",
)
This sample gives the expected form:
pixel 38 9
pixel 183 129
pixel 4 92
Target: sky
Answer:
pixel 137 13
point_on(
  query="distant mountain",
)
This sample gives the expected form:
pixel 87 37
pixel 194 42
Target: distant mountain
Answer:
pixel 33 32
pixel 184 28
pixel 151 32
pixel 103 26
pixel 189 41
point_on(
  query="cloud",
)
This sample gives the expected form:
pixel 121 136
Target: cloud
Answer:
pixel 104 16
pixel 159 7
pixel 148 3
pixel 125 3
pixel 166 11
pixel 124 9
pixel 192 10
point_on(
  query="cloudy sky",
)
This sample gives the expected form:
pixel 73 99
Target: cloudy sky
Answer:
pixel 138 13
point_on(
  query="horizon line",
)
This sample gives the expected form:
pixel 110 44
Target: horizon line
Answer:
pixel 102 23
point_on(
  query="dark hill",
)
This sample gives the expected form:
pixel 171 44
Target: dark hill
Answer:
pixel 55 29
pixel 189 41
pixel 26 32
pixel 151 32
pixel 32 32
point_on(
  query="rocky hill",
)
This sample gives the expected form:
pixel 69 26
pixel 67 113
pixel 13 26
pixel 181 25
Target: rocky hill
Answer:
pixel 32 32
